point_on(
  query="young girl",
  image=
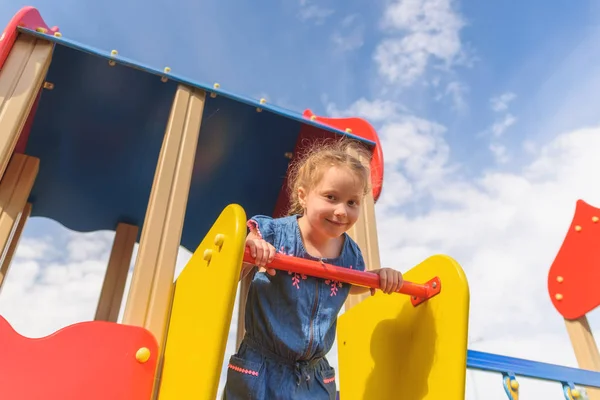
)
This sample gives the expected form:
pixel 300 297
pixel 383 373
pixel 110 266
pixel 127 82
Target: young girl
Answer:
pixel 291 318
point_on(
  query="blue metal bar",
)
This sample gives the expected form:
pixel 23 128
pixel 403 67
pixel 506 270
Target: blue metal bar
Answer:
pixel 531 369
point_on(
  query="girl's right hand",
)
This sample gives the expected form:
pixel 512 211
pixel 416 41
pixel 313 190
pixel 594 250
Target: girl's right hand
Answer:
pixel 263 253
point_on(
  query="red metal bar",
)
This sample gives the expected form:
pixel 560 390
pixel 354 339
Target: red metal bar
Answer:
pixel 327 271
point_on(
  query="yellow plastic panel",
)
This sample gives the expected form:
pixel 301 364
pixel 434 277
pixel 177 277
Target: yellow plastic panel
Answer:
pixel 389 349
pixel 202 308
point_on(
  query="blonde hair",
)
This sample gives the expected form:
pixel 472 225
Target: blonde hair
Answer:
pixel 308 170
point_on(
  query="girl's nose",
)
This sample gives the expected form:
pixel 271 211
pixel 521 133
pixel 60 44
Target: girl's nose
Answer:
pixel 341 210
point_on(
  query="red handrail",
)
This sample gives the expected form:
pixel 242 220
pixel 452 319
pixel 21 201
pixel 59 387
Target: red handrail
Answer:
pixel 327 271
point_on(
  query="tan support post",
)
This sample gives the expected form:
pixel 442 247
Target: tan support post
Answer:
pixel 585 348
pixel 115 278
pixel 243 297
pixel 21 78
pixel 15 188
pixel 14 242
pixel 364 233
pixel 152 283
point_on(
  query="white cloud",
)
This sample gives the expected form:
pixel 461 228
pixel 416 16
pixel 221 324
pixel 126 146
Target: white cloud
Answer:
pixel 411 144
pixel 503 227
pixel 374 111
pixel 418 31
pixel 42 294
pixel 60 277
pixel 456 91
pixel 313 12
pixel 350 33
pixel 488 386
pixel 36 249
pixel 500 103
pixel 499 127
pixel 500 153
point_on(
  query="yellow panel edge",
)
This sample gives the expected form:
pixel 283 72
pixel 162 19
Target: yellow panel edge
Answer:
pixel 202 309
pixel 389 349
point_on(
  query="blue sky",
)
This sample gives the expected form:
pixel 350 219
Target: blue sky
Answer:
pixel 291 52
pixel 487 112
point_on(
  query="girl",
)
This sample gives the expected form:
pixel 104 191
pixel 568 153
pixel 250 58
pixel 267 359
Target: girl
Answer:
pixel 291 318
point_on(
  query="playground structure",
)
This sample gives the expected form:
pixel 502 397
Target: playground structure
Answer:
pixel 96 141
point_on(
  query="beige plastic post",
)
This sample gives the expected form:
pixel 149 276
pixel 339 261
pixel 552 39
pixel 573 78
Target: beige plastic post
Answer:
pixel 115 278
pixel 14 242
pixel 21 78
pixel 152 282
pixel 243 297
pixel 15 188
pixel 364 233
pixel 585 348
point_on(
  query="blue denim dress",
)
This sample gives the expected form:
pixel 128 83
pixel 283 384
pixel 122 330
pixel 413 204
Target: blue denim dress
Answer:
pixel 290 323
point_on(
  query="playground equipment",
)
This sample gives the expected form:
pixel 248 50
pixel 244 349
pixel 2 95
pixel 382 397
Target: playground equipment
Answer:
pixel 127 147
pixel 572 281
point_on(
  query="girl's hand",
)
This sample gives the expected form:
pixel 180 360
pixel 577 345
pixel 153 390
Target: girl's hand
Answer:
pixel 390 280
pixel 262 252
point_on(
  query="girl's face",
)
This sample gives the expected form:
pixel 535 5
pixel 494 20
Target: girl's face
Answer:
pixel 333 206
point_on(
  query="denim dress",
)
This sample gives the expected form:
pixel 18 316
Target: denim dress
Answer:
pixel 290 323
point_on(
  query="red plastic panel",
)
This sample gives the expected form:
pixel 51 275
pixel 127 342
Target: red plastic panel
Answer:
pixel 27 17
pixel 88 360
pixel 363 129
pixel 575 273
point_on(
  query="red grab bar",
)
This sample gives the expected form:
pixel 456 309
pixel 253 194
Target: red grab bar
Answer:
pixel 418 291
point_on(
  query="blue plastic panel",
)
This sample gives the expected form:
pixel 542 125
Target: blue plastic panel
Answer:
pixel 98 135
pixel 189 82
pixel 532 369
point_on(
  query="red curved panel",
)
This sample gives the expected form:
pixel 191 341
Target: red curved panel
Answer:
pixel 359 127
pixel 89 360
pixel 363 129
pixel 27 17
pixel 574 275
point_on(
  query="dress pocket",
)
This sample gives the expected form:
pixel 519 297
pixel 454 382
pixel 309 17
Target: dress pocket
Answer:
pixel 243 377
pixel 326 378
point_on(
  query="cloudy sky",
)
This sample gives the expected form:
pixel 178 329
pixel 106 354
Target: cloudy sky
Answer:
pixel 487 113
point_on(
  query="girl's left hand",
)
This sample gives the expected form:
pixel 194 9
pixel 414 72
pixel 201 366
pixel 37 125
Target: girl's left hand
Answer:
pixel 390 280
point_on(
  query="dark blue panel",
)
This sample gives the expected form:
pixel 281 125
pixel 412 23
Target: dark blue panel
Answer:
pixel 178 78
pixel 240 159
pixel 532 369
pixel 98 135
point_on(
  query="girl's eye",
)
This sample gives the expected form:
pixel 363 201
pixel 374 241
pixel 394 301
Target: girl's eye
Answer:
pixel 352 203
pixel 329 197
